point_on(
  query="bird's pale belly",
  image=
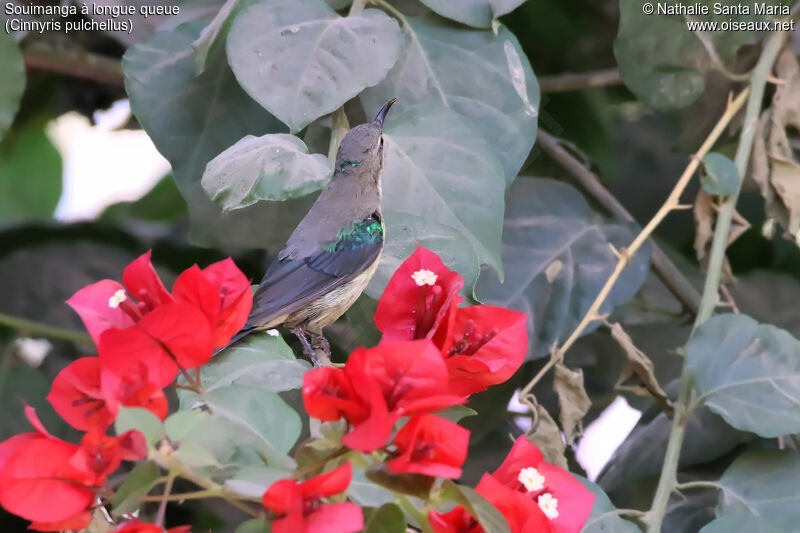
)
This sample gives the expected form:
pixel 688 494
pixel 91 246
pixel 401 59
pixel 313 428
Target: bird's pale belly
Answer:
pixel 328 308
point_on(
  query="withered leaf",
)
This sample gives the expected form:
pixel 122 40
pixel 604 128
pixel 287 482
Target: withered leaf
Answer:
pixel 573 401
pixel 705 216
pixel 547 437
pixel 775 167
pixel 638 376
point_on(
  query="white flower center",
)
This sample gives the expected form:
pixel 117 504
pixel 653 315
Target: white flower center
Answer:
pixel 548 505
pixel 424 277
pixel 531 479
pixel 116 299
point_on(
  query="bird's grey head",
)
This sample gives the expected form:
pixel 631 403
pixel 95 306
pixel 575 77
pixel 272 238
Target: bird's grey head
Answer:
pixel 362 147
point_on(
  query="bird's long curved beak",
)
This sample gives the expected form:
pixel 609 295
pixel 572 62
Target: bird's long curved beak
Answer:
pixel 381 116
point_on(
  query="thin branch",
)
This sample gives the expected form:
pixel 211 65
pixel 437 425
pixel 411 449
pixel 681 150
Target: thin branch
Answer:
pixel 74 62
pixel 576 82
pixel 666 270
pixel 162 507
pixel 708 302
pixel 37 329
pixel 672 202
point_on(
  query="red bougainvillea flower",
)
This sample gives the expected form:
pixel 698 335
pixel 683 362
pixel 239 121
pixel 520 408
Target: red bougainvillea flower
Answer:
pixel 220 291
pixel 484 346
pixel 88 398
pixel 534 497
pixel 99 455
pixel 34 469
pixel 419 297
pixel 107 303
pixel 137 526
pixel 49 481
pixel 328 396
pixel 395 380
pixel 299 508
pixel 77 396
pixel 430 445
pixel 174 336
pixel 223 293
pixel 562 498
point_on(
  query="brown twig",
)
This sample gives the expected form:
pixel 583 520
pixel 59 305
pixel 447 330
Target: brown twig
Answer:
pixel 666 270
pixel 74 62
pixel 579 81
pixel 625 254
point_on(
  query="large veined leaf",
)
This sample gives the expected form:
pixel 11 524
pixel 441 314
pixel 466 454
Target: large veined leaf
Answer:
pixel 258 360
pixel 13 80
pixel 275 166
pixel 740 523
pixel 748 373
pixel 478 13
pixel 482 76
pixel 442 189
pixel 604 517
pixel 301 60
pixel 763 483
pixel 191 119
pixel 255 417
pixel 557 257
pixel 664 62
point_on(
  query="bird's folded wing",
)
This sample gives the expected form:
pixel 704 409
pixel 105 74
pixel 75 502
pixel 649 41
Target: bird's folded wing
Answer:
pixel 290 284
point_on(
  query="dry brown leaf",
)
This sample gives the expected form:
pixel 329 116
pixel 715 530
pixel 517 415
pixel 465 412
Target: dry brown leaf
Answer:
pixel 774 166
pixel 638 376
pixel 548 438
pixel 573 401
pixel 705 216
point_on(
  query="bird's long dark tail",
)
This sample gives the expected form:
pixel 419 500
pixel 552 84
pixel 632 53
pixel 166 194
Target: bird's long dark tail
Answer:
pixel 236 338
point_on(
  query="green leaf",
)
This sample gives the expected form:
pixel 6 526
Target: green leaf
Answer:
pixel 259 418
pixel 740 523
pixel 13 80
pixel 456 413
pixel 722 176
pixel 30 177
pixel 140 419
pixel 301 60
pixel 259 360
pixel 663 62
pixel 416 485
pixel 484 77
pixel 366 493
pixel 557 255
pixel 191 119
pixel 604 518
pixel 253 526
pixel 208 37
pixel 748 373
pixel 763 483
pixel 478 13
pixel 275 166
pixel 484 512
pixel 442 189
pixel 138 483
pixel 388 518
pixel 253 480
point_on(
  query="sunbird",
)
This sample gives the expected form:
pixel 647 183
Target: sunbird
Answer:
pixel 333 253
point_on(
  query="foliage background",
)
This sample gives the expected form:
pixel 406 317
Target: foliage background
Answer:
pixel 636 149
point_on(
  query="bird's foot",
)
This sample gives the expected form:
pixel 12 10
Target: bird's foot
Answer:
pixel 322 348
pixel 316 350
